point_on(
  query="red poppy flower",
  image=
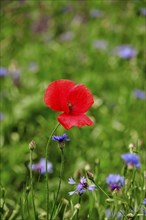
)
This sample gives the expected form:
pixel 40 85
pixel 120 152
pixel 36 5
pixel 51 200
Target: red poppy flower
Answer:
pixel 73 100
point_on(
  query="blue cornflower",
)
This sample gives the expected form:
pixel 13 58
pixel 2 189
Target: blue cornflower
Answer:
pixel 125 51
pixel 142 11
pixel 81 186
pixel 3 71
pixel 131 159
pixel 110 214
pixel 143 208
pixel 144 201
pixel 61 138
pixel 1 116
pixel 115 181
pixel 33 67
pixel 140 94
pixel 96 13
pixel 100 44
pixel 119 215
pixel 41 166
pixel 67 36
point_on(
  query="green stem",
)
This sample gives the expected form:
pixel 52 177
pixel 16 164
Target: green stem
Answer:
pixel 101 189
pixel 27 206
pixel 60 179
pixel 47 176
pixel 31 186
pixel 79 207
pixel 3 197
pixel 123 214
pixel 21 209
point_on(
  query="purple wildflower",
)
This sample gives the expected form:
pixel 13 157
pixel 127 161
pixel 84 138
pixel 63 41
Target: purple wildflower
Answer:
pixel 66 9
pixel 125 51
pixel 140 94
pixel 144 201
pixel 142 11
pixel 33 67
pixel 143 208
pixel 115 181
pixel 119 215
pixel 1 116
pixel 81 186
pixel 100 44
pixel 71 181
pixel 109 214
pixel 3 71
pixel 16 75
pixel 132 160
pixel 67 36
pixel 61 138
pixel 96 13
pixel 41 166
pixel 41 25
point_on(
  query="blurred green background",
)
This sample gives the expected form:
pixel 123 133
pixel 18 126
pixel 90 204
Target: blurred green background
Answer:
pixel 42 41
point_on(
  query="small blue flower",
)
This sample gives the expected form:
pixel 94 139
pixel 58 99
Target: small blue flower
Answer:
pixel 71 181
pixel 3 71
pixel 144 201
pixel 1 116
pixel 125 51
pixel 140 94
pixel 115 181
pixel 96 13
pixel 142 11
pixel 119 215
pixel 143 208
pixel 100 44
pixel 110 214
pixel 15 74
pixel 131 159
pixel 41 166
pixel 81 186
pixel 67 36
pixel 61 138
pixel 33 67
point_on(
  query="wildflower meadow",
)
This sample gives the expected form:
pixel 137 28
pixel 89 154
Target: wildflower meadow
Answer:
pixel 72 110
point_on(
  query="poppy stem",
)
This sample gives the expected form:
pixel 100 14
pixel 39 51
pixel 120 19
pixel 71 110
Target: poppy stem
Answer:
pixel 47 176
pixel 59 185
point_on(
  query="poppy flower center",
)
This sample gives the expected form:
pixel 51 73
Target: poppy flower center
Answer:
pixel 70 107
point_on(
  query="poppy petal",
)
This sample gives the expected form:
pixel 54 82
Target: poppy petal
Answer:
pixel 80 98
pixel 56 95
pixel 78 120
